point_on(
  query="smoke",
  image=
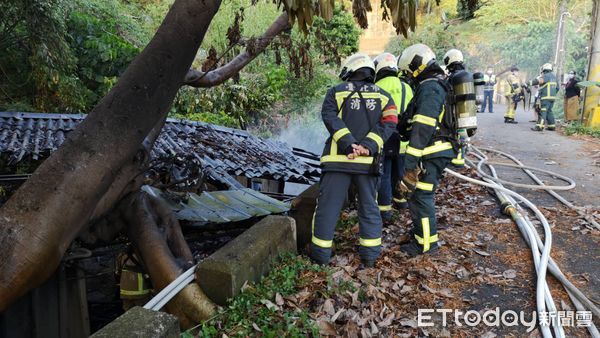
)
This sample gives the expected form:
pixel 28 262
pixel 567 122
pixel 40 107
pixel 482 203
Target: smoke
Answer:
pixel 306 132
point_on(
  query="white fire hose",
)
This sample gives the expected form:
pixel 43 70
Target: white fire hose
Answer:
pixel 540 250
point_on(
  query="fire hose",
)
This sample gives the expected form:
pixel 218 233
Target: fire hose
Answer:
pixel 540 250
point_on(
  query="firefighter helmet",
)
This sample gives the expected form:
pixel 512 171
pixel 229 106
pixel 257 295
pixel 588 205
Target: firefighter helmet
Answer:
pixel 547 67
pixel 353 63
pixel 453 56
pixel 415 59
pixel 385 60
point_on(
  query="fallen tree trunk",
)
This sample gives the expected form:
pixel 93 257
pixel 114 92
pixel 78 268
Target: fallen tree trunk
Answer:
pixel 45 214
pixel 156 234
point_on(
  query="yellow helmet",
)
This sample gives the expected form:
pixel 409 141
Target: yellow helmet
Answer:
pixel 547 66
pixel 415 59
pixel 453 56
pixel 385 60
pixel 355 62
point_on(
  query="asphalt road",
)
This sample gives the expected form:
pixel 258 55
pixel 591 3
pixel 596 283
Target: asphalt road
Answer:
pixel 576 251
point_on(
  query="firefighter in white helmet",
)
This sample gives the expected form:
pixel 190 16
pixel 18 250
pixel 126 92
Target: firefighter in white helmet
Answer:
pixel 394 150
pixel 360 117
pixel 431 144
pixel 454 61
pixel 547 93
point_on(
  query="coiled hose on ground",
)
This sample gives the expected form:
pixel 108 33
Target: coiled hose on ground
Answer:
pixel 540 250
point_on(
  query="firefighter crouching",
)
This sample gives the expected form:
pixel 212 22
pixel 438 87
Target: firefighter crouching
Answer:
pixel 386 68
pixel 430 148
pixel 547 92
pixel 360 117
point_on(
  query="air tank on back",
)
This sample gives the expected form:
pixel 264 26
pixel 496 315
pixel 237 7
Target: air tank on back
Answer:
pixel 465 101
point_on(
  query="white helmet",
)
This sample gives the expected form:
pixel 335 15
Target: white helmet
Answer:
pixel 415 59
pixel 355 62
pixel 385 60
pixel 453 56
pixel 547 66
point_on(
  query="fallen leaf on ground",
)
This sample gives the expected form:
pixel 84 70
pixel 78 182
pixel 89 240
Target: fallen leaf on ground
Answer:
pixel 408 322
pixel 278 299
pixel 328 307
pixel 326 328
pixel 510 274
pixel 481 252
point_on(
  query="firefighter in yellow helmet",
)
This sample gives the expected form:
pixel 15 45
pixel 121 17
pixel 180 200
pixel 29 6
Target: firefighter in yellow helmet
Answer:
pixel 512 92
pixel 394 150
pixel 360 117
pixel 431 133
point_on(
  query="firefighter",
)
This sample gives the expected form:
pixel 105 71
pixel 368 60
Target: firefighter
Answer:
pixel 547 92
pixel 134 283
pixel 360 117
pixel 512 92
pixel 386 69
pixel 455 63
pixel 430 148
pixel 488 90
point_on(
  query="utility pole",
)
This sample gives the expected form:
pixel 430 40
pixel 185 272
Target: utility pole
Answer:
pixel 559 54
pixel 592 94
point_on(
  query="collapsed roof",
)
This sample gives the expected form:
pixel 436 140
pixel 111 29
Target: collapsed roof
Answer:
pixel 221 151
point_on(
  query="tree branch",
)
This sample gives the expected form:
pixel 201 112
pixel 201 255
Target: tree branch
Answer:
pixel 196 78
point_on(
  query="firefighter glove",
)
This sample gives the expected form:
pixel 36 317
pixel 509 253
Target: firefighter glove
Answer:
pixel 408 184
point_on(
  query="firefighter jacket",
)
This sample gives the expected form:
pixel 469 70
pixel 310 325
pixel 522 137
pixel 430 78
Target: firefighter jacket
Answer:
pixel 513 85
pixel 548 86
pixel 430 135
pixel 356 113
pixel 402 94
pixel 489 82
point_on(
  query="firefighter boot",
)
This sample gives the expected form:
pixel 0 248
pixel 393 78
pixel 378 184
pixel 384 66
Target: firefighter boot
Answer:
pixel 414 249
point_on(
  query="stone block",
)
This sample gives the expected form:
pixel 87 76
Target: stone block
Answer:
pixel 246 258
pixel 303 208
pixel 142 323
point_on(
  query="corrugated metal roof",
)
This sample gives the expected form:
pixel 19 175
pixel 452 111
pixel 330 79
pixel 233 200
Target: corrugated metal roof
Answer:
pixel 221 206
pixel 220 150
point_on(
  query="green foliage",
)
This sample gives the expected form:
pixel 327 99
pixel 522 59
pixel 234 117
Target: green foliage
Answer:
pixel 255 305
pixel 530 45
pixel 576 128
pixel 336 38
pixel 63 55
pixel 466 8
pixel 431 32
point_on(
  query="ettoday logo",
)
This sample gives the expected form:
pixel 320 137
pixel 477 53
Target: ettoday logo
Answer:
pixel 496 318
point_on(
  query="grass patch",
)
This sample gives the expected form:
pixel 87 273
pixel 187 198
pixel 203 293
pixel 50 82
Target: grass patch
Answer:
pixel 576 128
pixel 264 310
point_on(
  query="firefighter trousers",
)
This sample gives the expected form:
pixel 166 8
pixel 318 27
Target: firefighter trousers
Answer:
pixel 422 204
pixel 393 170
pixel 546 114
pixel 333 190
pixel 513 101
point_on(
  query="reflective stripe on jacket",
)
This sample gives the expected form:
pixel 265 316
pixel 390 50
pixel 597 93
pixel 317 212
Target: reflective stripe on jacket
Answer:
pixel 548 86
pixel 428 114
pixel 356 113
pixel 402 95
pixel 489 82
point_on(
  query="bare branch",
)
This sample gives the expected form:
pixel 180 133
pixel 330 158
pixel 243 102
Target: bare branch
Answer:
pixel 196 78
